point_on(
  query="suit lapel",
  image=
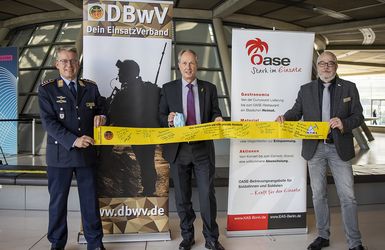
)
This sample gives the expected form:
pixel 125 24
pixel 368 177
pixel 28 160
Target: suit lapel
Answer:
pixel 201 94
pixel 337 96
pixel 179 94
pixel 315 97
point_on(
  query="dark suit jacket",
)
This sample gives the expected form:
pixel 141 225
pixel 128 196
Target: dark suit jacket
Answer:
pixel 171 101
pixel 65 119
pixel 346 106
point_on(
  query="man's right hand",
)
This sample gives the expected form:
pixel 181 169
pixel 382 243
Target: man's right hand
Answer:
pixel 280 119
pixel 84 142
pixel 170 119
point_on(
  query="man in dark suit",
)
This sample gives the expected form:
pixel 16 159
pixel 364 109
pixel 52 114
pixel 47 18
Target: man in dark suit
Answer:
pixel 331 99
pixel 198 102
pixel 69 110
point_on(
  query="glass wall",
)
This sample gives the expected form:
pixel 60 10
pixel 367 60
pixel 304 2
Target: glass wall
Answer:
pixel 200 37
pixel 37 46
pixel 372 92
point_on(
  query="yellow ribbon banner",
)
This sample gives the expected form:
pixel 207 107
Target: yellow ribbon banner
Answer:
pixel 108 135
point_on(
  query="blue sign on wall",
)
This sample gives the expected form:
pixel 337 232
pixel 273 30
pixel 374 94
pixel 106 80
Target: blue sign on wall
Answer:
pixel 8 99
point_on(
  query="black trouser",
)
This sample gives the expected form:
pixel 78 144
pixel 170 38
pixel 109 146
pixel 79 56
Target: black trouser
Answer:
pixel 59 183
pixel 194 158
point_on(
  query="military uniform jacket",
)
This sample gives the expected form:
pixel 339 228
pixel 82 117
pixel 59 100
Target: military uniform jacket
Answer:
pixel 346 106
pixel 65 118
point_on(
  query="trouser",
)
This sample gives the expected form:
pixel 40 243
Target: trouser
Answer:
pixel 326 155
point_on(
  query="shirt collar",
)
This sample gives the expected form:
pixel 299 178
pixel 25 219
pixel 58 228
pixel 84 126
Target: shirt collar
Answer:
pixel 332 81
pixel 68 81
pixel 184 82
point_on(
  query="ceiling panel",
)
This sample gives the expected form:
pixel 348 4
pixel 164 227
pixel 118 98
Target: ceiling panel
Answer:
pixel 260 8
pixel 317 21
pixel 341 5
pixel 291 14
pixel 16 8
pixel 42 4
pixel 203 5
pixel 368 13
pixel 5 16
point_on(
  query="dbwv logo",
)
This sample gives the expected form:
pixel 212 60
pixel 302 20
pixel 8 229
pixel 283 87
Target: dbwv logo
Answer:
pixel 126 13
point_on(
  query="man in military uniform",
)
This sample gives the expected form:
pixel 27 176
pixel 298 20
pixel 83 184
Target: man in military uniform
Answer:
pixel 69 110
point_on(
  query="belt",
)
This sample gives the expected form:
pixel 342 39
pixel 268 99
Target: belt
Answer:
pixel 327 141
pixel 193 142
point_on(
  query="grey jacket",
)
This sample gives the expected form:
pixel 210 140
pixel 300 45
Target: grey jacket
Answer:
pixel 346 106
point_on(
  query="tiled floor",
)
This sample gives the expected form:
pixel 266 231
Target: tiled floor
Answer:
pixel 21 229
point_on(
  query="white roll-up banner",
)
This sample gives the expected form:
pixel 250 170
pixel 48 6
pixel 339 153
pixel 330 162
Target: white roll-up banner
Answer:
pixel 127 52
pixel 267 183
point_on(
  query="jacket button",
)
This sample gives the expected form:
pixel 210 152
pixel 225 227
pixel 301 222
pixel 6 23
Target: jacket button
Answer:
pixel 55 142
pixel 78 117
pixel 79 129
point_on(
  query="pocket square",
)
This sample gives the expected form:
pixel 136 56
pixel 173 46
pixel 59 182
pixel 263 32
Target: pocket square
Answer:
pixel 347 99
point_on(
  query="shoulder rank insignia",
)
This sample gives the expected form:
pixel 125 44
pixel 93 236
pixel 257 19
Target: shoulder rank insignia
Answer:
pixel 47 82
pixel 87 81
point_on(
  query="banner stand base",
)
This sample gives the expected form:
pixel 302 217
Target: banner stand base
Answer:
pixel 130 237
pixel 248 233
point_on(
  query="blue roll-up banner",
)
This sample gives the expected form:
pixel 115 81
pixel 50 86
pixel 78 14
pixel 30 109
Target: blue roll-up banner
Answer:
pixel 8 99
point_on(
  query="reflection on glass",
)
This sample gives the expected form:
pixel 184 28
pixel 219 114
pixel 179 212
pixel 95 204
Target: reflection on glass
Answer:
pixel 194 32
pixel 32 106
pixel 50 61
pixel 214 77
pixel 32 57
pixel 69 32
pixel 207 56
pixel 21 37
pixel 26 80
pixel 43 34
pixel 224 106
pixel 46 75
pixel 20 103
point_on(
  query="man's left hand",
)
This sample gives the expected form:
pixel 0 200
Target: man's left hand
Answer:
pixel 336 122
pixel 99 120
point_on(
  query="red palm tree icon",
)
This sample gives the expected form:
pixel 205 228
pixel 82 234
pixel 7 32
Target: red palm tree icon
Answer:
pixel 254 46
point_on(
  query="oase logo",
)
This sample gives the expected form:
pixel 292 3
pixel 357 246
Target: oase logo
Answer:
pixel 96 12
pixel 255 48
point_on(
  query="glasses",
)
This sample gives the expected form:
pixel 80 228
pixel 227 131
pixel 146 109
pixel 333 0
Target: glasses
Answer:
pixel 65 61
pixel 326 64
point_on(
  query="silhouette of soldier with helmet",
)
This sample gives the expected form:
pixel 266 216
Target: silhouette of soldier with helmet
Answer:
pixel 135 104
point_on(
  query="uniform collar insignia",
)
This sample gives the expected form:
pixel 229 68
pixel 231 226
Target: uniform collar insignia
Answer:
pixel 60 83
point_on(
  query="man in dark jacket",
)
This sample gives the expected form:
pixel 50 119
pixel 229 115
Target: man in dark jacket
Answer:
pixel 197 101
pixel 336 101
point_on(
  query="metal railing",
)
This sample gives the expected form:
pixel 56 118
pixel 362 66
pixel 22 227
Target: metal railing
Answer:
pixel 33 130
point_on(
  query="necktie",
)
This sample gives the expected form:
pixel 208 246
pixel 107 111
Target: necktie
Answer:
pixel 190 106
pixel 72 88
pixel 326 103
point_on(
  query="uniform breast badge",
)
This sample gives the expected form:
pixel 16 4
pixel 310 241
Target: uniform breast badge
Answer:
pixel 61 99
